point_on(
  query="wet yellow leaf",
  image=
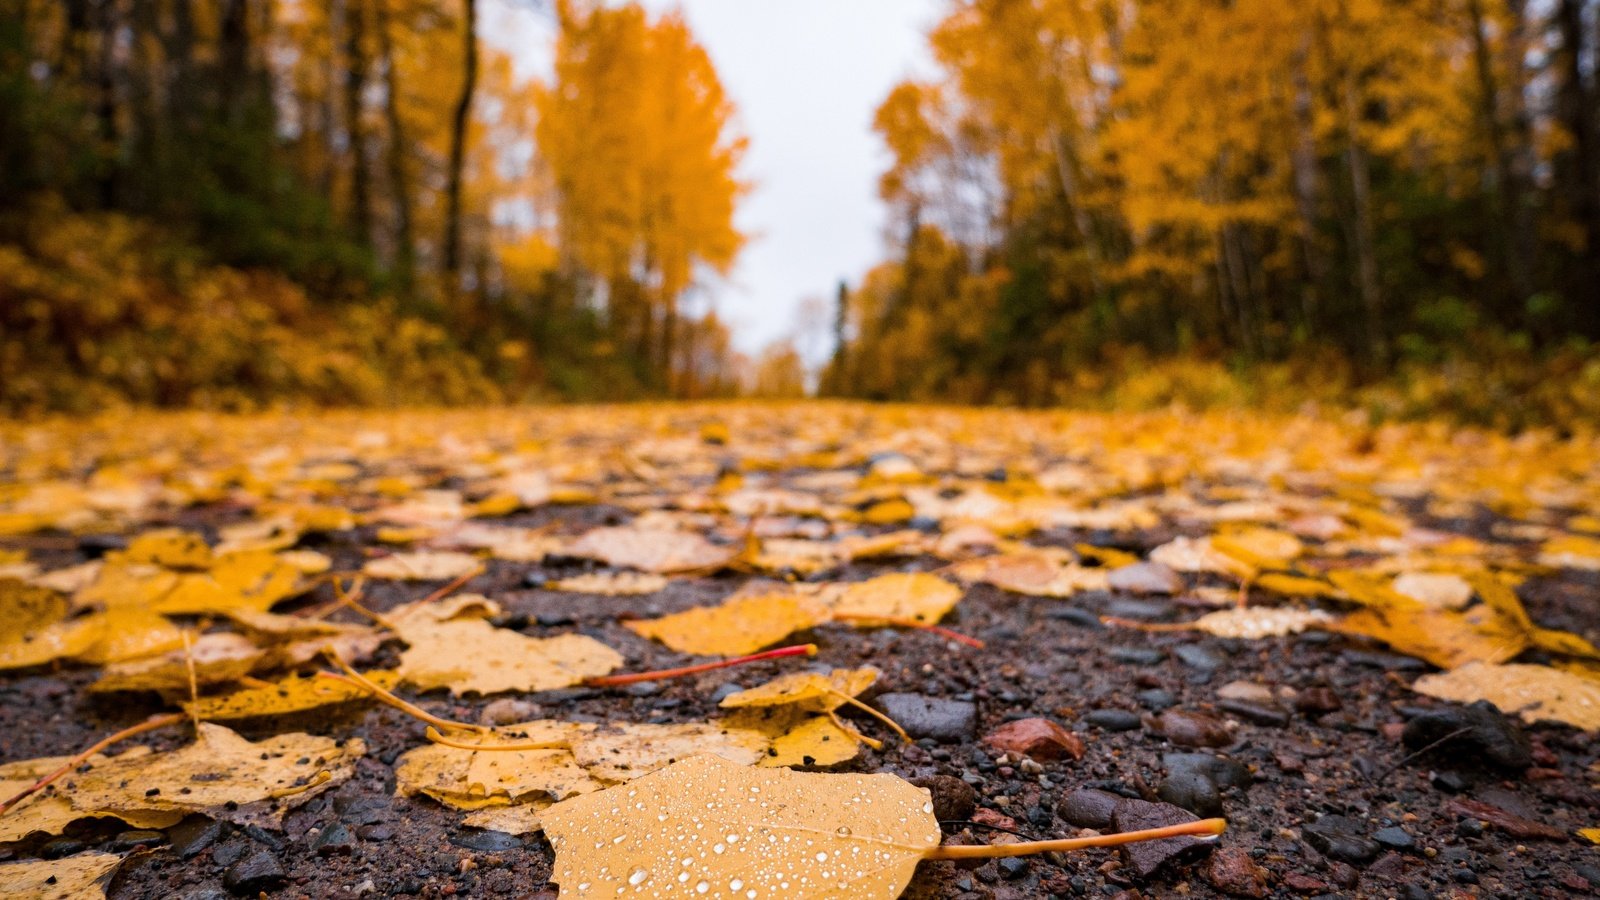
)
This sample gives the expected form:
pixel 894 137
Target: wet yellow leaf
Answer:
pixel 739 626
pixel 426 565
pixel 81 877
pixel 1571 551
pixel 659 550
pixel 622 752
pixel 918 597
pixel 1198 555
pixel 816 741
pixel 469 655
pixel 125 633
pixel 519 818
pixel 611 584
pixel 1256 622
pixel 888 512
pixel 1442 590
pixel 296 693
pixel 50 811
pixel 1446 639
pixel 1592 835
pixel 743 829
pixel 253 580
pixel 476 779
pixel 809 691
pixel 1533 692
pixel 218 658
pixel 1293 585
pixel 1031 573
pixel 1261 548
pixel 169 547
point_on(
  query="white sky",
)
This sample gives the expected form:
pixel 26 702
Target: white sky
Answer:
pixel 807 76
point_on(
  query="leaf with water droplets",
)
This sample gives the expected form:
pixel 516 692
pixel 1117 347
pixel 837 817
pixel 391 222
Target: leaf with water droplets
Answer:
pixel 705 827
pixel 1256 622
pixel 741 625
pixel 1533 692
pixel 810 691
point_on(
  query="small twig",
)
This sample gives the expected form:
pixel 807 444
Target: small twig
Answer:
pixel 871 712
pixel 1378 779
pixel 636 677
pixel 323 776
pixel 1204 828
pixel 851 730
pixel 1146 626
pixel 940 630
pixel 149 724
pixel 455 583
pixel 194 681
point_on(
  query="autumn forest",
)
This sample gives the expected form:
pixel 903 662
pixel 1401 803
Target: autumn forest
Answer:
pixel 231 203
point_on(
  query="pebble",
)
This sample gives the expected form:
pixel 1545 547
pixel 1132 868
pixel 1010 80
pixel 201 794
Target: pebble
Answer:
pixel 1340 838
pixel 1395 838
pixel 257 872
pixel 1232 871
pixel 1226 773
pixel 359 810
pixel 375 832
pixel 1137 656
pixel 1147 857
pixel 1075 615
pixel 1315 701
pixel 508 711
pixel 1144 578
pixel 725 690
pixel 1245 690
pixel 1267 714
pixel 60 848
pixel 1188 728
pixel 128 840
pixel 931 717
pixel 1035 738
pixel 1143 610
pixel 487 841
pixel 97 545
pixel 1196 656
pixel 336 838
pixel 1088 807
pixel 1478 729
pixel 1113 719
pixel 1013 867
pixel 1156 699
pixel 195 834
pixel 953 798
pixel 1193 791
pixel 1389 662
pixel 643 689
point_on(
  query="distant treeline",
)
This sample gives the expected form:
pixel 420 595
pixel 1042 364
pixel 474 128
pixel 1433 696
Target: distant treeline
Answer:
pixel 238 201
pixel 1341 191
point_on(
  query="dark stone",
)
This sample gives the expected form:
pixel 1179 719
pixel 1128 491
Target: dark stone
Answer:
pixel 1156 699
pixel 1340 838
pixel 486 841
pixel 195 834
pixel 1196 656
pixel 1232 871
pixel 1088 807
pixel 360 810
pixel 1193 791
pixel 375 832
pixel 1479 730
pixel 643 689
pixel 262 836
pixel 1144 610
pixel 1389 662
pixel 1137 656
pixel 229 853
pixel 1395 838
pixel 60 848
pixel 1449 782
pixel 1013 867
pixel 953 799
pixel 1226 773
pixel 1145 578
pixel 257 872
pixel 1256 713
pixel 1113 719
pixel 565 695
pixel 1315 701
pixel 95 546
pixel 1147 857
pixel 931 717
pixel 336 838
pixel 725 690
pixel 129 840
pixel 1074 615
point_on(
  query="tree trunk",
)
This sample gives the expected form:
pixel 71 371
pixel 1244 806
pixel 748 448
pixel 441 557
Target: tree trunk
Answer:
pixel 1576 104
pixel 1364 241
pixel 405 247
pixel 355 84
pixel 1304 161
pixel 1505 198
pixel 458 143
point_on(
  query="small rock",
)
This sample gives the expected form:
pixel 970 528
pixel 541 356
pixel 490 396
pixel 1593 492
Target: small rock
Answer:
pixel 195 834
pixel 725 690
pixel 1147 857
pixel 1196 656
pixel 1074 615
pixel 1144 578
pixel 98 545
pixel 257 872
pixel 1156 699
pixel 128 840
pixel 1088 807
pixel 1143 610
pixel 1315 701
pixel 953 799
pixel 1232 871
pixel 1395 838
pixel 1188 728
pixel 1304 884
pixel 1113 719
pixel 1245 690
pixel 360 810
pixel 1505 820
pixel 1226 773
pixel 262 836
pixel 1013 867
pixel 1137 656
pixel 1449 782
pixel 336 838
pixel 1267 714
pixel 931 717
pixel 487 841
pixel 1000 821
pixel 375 833
pixel 60 848
pixel 1193 791
pixel 1479 729
pixel 1340 838
pixel 1035 738
pixel 508 711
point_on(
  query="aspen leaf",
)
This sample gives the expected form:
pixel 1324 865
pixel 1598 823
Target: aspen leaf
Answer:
pixel 254 580
pixel 59 640
pixel 1261 548
pixel 518 818
pixel 704 822
pixel 659 550
pixel 81 877
pixel 296 693
pixel 1571 551
pixel 809 691
pixel 217 658
pixel 816 741
pixel 125 633
pixel 50 811
pixel 737 627
pixel 1256 622
pixel 477 779
pixel 1533 692
pixel 473 656
pixel 423 565
pixel 1441 590
pixel 611 584
pixel 623 752
pixel 1033 574
pixel 1293 585
pixel 1186 554
pixel 1592 835
pixel 917 597
pixel 169 547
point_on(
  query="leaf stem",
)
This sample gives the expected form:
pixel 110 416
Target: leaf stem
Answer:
pixel 1204 828
pixel 455 584
pixel 433 734
pixel 636 677
pixel 881 717
pixel 149 724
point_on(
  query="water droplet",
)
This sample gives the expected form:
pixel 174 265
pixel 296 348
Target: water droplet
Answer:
pixel 719 847
pixel 735 884
pixel 702 887
pixel 822 857
pixel 842 830
pixel 927 807
pixel 619 839
pixel 751 894
pixel 583 886
pixel 638 876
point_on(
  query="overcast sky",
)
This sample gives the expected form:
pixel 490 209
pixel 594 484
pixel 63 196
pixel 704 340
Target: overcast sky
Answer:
pixel 807 76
